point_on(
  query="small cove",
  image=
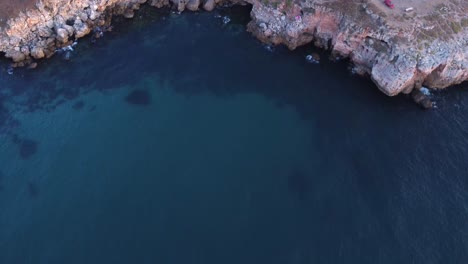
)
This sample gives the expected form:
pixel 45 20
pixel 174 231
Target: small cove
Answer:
pixel 181 139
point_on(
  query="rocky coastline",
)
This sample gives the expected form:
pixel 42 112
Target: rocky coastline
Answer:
pixel 401 51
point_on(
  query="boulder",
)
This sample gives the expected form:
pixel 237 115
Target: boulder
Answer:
pixel 179 4
pixel 93 14
pixel 81 29
pixel 83 16
pixel 25 50
pixel 69 29
pixel 193 5
pixel 313 58
pixel 16 56
pixel 158 3
pixel 37 52
pixel 62 35
pixel 421 99
pixel 209 5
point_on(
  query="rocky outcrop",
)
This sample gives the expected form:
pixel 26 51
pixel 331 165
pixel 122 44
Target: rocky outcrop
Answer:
pixel 397 55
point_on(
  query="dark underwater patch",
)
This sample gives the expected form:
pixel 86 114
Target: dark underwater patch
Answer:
pixel 299 184
pixel 1 180
pixel 27 147
pixel 78 105
pixel 139 97
pixel 33 190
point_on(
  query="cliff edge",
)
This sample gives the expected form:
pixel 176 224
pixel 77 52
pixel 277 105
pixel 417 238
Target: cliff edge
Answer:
pixel 415 43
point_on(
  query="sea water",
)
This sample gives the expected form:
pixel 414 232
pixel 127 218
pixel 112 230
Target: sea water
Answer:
pixel 181 139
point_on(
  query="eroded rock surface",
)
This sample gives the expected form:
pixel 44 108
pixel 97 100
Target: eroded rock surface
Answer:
pixel 400 50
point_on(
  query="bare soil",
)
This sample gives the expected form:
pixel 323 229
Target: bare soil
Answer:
pixel 430 19
pixel 11 8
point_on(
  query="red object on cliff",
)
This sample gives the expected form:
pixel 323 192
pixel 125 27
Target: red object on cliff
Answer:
pixel 389 4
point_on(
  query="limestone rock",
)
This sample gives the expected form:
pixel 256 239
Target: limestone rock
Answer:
pixel 16 56
pixel 93 14
pixel 70 30
pixel 37 52
pixel 209 5
pixel 193 5
pixel 44 32
pixel 81 29
pixel 62 35
pixel 179 4
pixel 25 50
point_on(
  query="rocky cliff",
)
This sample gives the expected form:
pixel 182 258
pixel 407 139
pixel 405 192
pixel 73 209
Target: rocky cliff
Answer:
pixel 399 49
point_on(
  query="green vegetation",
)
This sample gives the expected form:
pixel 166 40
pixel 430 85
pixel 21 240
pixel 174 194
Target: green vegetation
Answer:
pixel 456 27
pixel 464 22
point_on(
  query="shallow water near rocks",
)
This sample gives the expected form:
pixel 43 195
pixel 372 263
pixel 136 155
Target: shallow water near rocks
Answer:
pixel 181 139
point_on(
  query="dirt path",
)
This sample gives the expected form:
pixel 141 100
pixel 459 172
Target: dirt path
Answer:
pixel 431 18
pixel 422 8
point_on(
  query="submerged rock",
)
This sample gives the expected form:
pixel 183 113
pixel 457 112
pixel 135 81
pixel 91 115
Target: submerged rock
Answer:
pixel 270 48
pixel 422 99
pixel 425 91
pixel 313 58
pixel 67 55
pixel 32 65
pixel 226 19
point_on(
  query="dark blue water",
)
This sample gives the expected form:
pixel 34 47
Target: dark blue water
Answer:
pixel 178 139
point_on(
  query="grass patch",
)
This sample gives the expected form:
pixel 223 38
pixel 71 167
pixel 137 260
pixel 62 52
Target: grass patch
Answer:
pixel 464 23
pixel 456 27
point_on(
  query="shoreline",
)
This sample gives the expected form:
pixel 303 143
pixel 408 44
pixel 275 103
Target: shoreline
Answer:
pixel 397 61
